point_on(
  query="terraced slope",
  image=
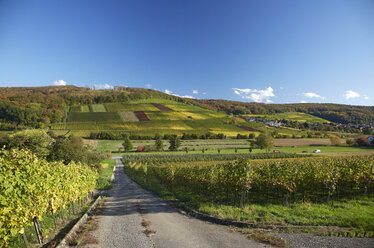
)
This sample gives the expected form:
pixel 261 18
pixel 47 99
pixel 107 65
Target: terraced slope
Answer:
pixel 148 117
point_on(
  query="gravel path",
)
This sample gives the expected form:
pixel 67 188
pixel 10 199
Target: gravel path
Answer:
pixel 120 222
pixel 311 241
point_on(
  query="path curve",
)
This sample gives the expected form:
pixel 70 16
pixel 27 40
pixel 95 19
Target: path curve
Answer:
pixel 120 223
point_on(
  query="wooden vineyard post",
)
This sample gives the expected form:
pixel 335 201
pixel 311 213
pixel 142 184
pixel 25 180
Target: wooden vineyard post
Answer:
pixel 244 183
pixel 62 216
pixel 171 178
pixel 289 186
pixel 54 218
pixel 73 207
pixel 368 181
pixel 331 187
pixel 22 232
pixel 37 231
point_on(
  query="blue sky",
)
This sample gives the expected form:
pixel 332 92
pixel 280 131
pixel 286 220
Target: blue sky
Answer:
pixel 264 51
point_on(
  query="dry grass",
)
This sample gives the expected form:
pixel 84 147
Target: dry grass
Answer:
pixel 128 116
pixel 263 236
pixel 84 235
pixel 146 223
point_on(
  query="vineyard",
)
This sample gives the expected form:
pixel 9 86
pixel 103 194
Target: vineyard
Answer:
pixel 32 188
pixel 161 159
pixel 284 182
pixel 162 116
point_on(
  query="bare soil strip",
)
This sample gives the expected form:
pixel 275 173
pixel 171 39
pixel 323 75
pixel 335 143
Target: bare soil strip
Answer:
pixel 249 129
pixel 161 107
pixel 141 115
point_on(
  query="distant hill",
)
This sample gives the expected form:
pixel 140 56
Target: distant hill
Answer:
pixel 41 107
pixel 337 113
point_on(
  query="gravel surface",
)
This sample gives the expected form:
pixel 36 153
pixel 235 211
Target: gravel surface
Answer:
pixel 120 223
pixel 309 240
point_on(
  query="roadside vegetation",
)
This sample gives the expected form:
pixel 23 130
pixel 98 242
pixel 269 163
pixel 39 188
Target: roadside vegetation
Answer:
pixel 103 180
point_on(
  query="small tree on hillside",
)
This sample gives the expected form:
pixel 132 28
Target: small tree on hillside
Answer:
pixel 127 145
pixel 265 141
pixel 175 142
pixel 158 143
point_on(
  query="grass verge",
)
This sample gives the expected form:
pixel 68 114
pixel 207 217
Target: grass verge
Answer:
pixel 103 181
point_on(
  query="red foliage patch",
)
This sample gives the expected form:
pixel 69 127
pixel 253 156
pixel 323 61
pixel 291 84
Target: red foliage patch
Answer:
pixel 249 129
pixel 141 115
pixel 161 107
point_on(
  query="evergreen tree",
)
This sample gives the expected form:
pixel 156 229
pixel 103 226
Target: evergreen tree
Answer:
pixel 127 145
pixel 175 142
pixel 158 143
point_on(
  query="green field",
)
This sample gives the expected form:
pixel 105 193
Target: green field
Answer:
pixel 292 116
pixel 92 117
pixel 118 106
pixel 85 108
pixel 230 146
pixel 97 108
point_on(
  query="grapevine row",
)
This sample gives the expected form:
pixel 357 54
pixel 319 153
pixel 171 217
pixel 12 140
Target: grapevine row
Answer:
pixel 307 179
pixel 31 187
pixel 158 159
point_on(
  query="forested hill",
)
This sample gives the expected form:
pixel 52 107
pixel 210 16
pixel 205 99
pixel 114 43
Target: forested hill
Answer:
pixel 338 113
pixel 38 107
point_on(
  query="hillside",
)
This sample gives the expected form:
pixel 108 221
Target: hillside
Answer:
pixel 337 113
pixel 80 108
pixel 38 107
pixel 147 117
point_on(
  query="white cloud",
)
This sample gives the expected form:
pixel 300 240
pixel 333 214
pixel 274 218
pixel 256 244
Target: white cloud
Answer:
pixel 204 93
pixel 103 86
pixel 59 83
pixel 311 95
pixel 350 94
pixel 280 87
pixel 303 102
pixel 195 92
pixel 186 96
pixel 366 97
pixel 148 86
pixel 169 92
pixel 255 94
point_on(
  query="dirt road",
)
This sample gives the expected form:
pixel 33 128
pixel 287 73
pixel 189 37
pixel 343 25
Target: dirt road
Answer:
pixel 130 212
